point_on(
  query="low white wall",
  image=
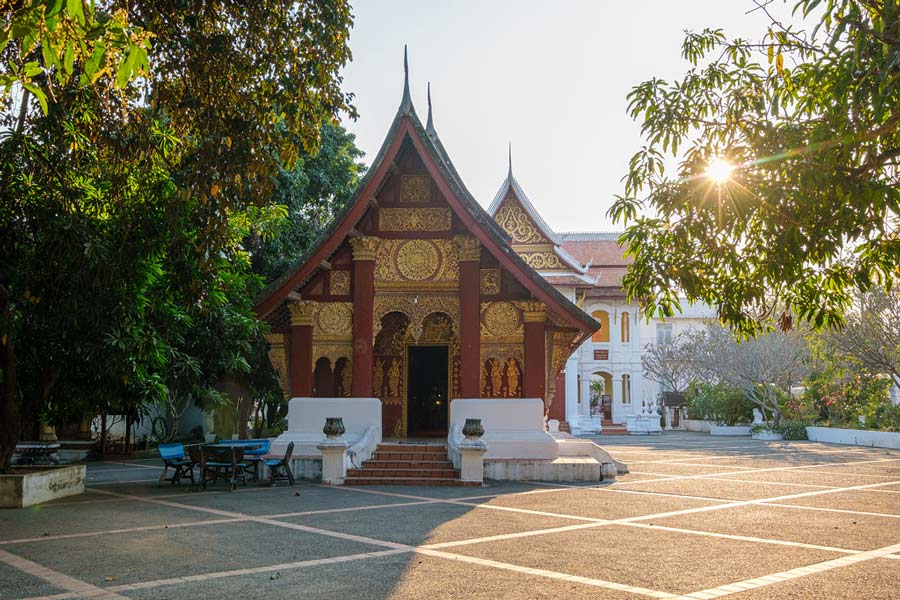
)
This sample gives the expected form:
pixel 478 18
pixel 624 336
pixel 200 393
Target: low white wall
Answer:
pixel 28 486
pixel 513 427
pixel 855 437
pixel 729 429
pixel 697 425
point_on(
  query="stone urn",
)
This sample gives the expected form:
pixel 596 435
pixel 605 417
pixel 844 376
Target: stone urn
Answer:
pixel 334 427
pixel 473 429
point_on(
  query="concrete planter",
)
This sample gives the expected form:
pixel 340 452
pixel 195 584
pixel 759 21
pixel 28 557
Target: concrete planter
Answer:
pixel 767 436
pixel 855 437
pixel 729 429
pixel 35 485
pixel 697 425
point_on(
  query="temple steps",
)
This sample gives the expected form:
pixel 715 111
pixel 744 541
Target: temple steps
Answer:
pixel 610 428
pixel 407 464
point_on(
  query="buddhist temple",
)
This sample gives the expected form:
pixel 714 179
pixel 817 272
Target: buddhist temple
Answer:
pixel 417 296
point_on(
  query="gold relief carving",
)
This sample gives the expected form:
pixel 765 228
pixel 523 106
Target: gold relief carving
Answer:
pixel 467 247
pixel 490 281
pixel 416 309
pixel 302 312
pixel 340 283
pixel 501 320
pixel 394 379
pixel 517 223
pixel 512 376
pixel 418 260
pixel 535 312
pixel 332 351
pixel 543 261
pixel 414 219
pixel 364 247
pixel 502 351
pixel 334 320
pixel 379 377
pixel 416 264
pixel 415 188
pixel 437 328
pixel 278 358
pixel 496 377
pixel 346 378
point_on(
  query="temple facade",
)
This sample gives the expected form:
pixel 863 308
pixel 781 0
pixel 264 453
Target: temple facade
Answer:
pixel 416 296
pixel 587 268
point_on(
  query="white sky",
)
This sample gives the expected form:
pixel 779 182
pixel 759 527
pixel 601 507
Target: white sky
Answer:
pixel 551 77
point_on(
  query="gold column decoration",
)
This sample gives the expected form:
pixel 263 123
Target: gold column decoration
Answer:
pixel 534 311
pixel 467 247
pixel 302 312
pixel 278 358
pixel 364 247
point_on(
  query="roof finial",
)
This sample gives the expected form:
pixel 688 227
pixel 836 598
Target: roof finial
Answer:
pixel 510 175
pixel 429 126
pixel 406 102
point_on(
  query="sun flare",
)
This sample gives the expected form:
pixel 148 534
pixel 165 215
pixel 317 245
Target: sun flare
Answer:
pixel 719 170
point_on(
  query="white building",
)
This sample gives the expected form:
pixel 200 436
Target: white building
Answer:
pixel 588 269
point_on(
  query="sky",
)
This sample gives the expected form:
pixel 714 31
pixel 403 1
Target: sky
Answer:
pixel 551 78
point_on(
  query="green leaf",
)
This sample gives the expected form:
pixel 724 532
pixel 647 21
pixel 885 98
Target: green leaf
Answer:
pixel 38 93
pixel 76 10
pixel 69 58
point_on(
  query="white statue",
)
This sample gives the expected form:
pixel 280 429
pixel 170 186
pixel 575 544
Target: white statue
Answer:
pixel 758 417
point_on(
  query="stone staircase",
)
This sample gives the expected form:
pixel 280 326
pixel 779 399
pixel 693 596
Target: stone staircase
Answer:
pixel 610 428
pixel 407 464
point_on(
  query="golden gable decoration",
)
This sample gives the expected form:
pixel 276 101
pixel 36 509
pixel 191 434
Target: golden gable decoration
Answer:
pixel 501 321
pixel 334 321
pixel 415 188
pixel 490 282
pixel 414 219
pixel 543 261
pixel 340 283
pixel 517 223
pixel 429 265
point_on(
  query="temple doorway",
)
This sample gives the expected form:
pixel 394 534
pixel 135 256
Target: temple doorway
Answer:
pixel 427 390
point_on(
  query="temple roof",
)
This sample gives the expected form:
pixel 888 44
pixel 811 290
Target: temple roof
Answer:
pixel 407 125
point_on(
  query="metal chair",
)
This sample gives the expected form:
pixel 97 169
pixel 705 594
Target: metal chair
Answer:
pixel 225 462
pixel 281 467
pixel 173 456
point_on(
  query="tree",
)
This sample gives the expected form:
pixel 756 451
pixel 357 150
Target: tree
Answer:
pixel 871 334
pixel 315 190
pixel 675 364
pixel 763 368
pixel 127 190
pixel 802 129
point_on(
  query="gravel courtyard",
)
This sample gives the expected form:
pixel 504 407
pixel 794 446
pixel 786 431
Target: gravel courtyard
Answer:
pixel 697 517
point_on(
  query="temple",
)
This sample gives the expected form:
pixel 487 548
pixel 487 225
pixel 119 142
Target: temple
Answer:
pixel 417 296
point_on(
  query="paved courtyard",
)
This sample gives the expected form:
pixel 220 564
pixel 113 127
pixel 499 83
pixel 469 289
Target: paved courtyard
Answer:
pixel 697 517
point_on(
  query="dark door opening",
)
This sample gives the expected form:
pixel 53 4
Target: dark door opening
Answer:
pixel 427 387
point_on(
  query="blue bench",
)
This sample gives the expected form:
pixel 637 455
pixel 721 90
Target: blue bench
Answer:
pixel 173 456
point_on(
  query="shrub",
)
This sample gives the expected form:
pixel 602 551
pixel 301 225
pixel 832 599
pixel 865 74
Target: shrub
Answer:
pixel 791 430
pixel 720 403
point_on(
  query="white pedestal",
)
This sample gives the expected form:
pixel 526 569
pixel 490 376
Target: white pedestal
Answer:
pixel 471 454
pixel 333 466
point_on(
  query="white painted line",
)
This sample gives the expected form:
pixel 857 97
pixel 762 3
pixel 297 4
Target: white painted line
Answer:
pixel 821 567
pixel 76 586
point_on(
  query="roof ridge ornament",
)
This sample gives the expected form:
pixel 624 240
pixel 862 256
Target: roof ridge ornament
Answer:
pixel 406 102
pixel 429 126
pixel 510 175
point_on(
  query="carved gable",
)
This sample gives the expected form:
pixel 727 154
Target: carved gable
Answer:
pixel 516 222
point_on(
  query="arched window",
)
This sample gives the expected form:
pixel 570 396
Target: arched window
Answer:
pixel 602 334
pixel 626 389
pixel 626 328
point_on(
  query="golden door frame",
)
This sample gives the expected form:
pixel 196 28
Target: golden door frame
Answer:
pixel 404 419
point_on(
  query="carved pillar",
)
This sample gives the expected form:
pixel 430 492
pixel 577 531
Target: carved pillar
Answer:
pixel 557 409
pixel 301 369
pixel 279 359
pixel 535 350
pixel 364 249
pixel 468 250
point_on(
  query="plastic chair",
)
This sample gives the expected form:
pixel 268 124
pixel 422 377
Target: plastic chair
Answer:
pixel 281 467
